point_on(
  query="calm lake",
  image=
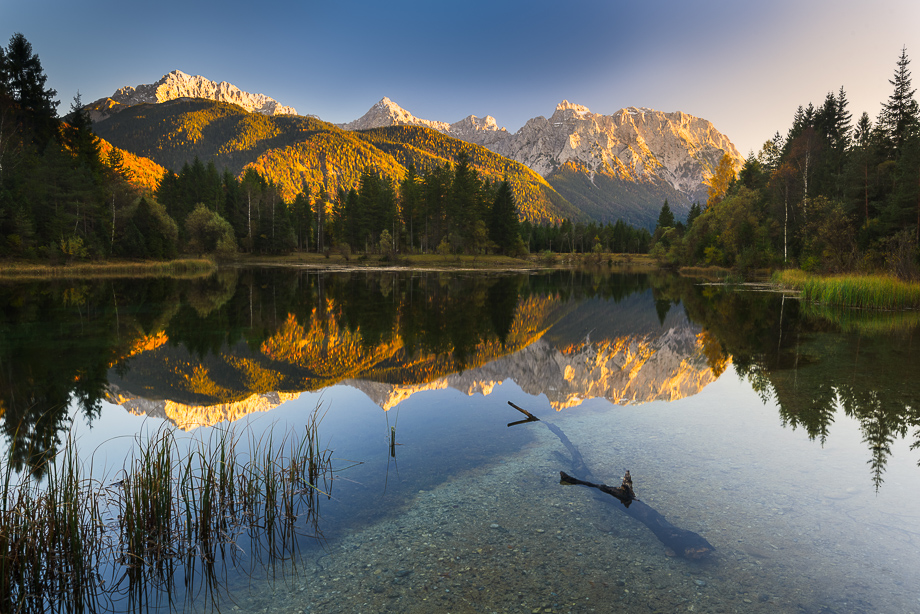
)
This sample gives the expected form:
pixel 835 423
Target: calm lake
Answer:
pixel 782 436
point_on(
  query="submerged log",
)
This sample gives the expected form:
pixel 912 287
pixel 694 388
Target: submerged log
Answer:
pixel 681 541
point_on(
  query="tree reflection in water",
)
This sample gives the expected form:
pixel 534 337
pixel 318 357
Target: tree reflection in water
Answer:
pixel 258 331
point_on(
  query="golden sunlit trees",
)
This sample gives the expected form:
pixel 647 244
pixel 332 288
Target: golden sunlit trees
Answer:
pixel 720 181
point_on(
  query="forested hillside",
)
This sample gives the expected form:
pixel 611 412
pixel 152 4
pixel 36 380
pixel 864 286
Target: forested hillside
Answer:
pixel 291 151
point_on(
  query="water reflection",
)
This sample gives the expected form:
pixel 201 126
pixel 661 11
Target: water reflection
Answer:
pixel 815 363
pixel 244 341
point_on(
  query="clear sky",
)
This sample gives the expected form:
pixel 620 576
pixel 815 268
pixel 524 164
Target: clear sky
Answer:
pixel 743 65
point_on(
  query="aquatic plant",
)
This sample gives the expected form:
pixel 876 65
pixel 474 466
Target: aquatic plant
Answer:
pixel 74 544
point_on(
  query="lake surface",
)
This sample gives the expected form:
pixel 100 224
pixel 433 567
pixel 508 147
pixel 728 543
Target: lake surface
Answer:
pixel 783 435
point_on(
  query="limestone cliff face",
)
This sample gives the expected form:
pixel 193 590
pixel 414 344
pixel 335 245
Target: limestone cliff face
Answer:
pixel 177 84
pixel 633 144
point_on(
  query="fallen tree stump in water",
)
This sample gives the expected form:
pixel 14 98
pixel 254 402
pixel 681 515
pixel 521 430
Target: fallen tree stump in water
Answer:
pixel 681 542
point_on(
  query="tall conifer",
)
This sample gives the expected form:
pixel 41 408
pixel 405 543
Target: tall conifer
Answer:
pixel 900 114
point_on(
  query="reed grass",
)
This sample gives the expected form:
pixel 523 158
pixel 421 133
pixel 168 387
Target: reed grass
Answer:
pixel 878 292
pixel 184 268
pixel 171 509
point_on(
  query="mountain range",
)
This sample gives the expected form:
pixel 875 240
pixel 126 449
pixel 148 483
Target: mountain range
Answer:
pixel 575 165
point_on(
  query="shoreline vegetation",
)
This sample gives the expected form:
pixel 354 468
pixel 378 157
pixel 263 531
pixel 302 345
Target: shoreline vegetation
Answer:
pixel 20 270
pixel 850 291
pixel 853 291
pixel 202 267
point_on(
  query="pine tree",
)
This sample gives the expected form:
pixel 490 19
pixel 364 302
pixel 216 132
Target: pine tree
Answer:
pixel 410 201
pixel 79 138
pixel 695 212
pixel 844 117
pixel 665 217
pixel 900 114
pixel 25 84
pixel 504 229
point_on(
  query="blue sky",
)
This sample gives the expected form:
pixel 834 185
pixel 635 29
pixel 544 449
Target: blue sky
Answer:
pixel 745 66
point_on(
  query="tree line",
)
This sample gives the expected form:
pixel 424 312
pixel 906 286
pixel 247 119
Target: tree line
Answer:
pixel 829 196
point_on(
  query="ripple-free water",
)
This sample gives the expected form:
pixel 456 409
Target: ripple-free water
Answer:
pixel 796 526
pixel 785 444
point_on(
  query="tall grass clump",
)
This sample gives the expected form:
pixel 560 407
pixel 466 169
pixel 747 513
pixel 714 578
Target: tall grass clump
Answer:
pixel 51 538
pixel 175 510
pixel 854 291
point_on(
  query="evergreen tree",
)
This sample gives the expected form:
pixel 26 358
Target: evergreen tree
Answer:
pixel 410 204
pixel 900 114
pixel 301 215
pixel 504 228
pixel 695 212
pixel 24 82
pixel 665 217
pixel 861 159
pixel 79 139
pixel 844 117
pixel 465 204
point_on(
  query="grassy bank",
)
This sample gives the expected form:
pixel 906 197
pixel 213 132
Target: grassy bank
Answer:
pixel 189 267
pixel 854 291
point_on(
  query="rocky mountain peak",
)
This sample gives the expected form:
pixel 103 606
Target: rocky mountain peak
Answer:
pixel 388 113
pixel 178 84
pixel 577 109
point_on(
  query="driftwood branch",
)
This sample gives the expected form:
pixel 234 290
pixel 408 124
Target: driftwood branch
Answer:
pixel 530 416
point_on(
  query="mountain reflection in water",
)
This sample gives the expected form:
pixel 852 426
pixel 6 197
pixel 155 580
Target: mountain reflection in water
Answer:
pixel 243 341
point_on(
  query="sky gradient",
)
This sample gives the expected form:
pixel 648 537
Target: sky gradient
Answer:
pixel 742 65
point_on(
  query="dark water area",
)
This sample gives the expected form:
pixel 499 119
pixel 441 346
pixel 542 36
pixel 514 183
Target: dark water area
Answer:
pixel 783 435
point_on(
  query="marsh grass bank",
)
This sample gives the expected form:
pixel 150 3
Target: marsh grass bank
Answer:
pixel 186 268
pixel 879 292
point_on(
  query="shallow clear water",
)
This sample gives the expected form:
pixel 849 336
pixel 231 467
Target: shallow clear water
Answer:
pixel 467 514
pixel 795 526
